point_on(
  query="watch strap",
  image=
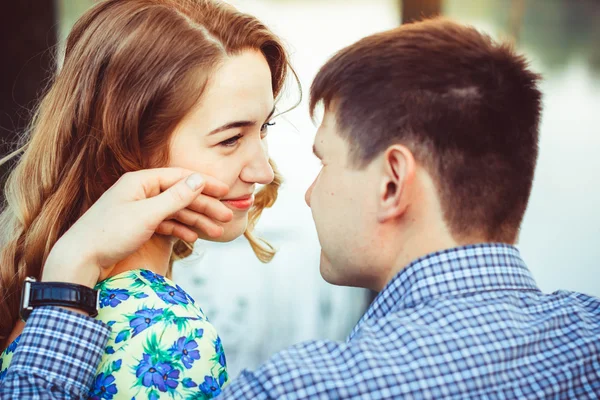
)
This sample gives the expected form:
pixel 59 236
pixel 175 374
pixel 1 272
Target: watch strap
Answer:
pixel 38 294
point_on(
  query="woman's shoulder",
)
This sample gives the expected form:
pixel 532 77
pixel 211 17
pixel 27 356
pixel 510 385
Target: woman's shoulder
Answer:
pixel 136 300
pixel 137 288
pixel 161 342
pixel 162 361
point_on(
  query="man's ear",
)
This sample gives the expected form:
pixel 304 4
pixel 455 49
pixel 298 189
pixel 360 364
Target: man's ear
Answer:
pixel 398 174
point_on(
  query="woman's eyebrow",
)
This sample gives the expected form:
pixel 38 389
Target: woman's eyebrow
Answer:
pixel 231 125
pixel 238 124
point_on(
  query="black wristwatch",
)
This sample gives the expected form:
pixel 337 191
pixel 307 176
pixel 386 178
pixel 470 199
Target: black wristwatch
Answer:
pixel 38 294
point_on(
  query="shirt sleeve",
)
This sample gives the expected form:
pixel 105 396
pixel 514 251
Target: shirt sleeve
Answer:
pixel 313 369
pixel 178 357
pixel 246 386
pixel 57 356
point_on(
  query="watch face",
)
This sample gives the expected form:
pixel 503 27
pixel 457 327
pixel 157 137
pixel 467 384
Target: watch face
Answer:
pixel 25 308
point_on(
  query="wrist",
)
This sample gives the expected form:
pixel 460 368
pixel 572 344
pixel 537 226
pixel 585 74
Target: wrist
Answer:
pixel 70 264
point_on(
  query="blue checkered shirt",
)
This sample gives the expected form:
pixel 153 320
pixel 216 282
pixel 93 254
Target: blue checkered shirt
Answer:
pixel 464 323
pixel 57 356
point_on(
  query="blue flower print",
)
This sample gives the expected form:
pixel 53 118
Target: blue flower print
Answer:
pixel 104 387
pixel 113 297
pixel 160 374
pixel 144 319
pixel 186 350
pixel 160 345
pixel 210 387
pixel 13 346
pixel 116 365
pixel 172 295
pixel 188 383
pixel 190 299
pixel 152 277
pixel 4 372
pixel 123 335
pixel 220 352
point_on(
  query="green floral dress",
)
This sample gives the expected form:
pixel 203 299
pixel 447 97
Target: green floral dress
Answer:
pixel 162 346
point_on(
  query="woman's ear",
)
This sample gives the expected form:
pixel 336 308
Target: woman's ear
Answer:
pixel 398 174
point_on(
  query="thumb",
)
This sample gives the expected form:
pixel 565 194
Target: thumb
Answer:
pixel 175 198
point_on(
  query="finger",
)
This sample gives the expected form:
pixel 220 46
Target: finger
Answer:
pixel 157 180
pixel 212 187
pixel 199 221
pixel 177 197
pixel 212 208
pixel 175 229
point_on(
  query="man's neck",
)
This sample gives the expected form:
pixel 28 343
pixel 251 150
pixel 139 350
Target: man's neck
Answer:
pixel 415 249
pixel 420 245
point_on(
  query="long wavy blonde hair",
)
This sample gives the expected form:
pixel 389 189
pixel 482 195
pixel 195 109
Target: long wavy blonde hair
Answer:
pixel 132 70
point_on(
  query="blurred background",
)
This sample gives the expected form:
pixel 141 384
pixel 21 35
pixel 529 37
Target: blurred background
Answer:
pixel 260 309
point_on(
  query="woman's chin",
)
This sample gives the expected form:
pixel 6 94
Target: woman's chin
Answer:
pixel 231 231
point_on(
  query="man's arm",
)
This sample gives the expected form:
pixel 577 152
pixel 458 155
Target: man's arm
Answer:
pixel 246 386
pixel 57 356
pixel 313 369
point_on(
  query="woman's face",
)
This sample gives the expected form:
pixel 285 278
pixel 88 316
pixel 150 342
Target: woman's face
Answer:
pixel 224 136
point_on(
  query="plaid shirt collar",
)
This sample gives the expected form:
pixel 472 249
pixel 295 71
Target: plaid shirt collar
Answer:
pixel 453 272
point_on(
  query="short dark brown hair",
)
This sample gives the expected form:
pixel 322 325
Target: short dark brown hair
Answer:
pixel 467 107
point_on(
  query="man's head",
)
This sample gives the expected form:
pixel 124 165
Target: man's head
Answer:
pixel 429 140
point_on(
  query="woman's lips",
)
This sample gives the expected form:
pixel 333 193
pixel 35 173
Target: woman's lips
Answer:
pixel 242 203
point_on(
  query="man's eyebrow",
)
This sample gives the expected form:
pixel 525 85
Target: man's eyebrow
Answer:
pixel 316 152
pixel 238 124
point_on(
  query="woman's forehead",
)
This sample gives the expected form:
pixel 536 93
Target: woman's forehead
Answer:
pixel 240 89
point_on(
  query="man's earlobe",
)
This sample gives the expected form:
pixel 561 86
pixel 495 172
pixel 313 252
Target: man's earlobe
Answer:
pixel 398 173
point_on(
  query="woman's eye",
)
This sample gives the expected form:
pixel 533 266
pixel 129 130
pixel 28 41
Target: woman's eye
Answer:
pixel 231 141
pixel 265 127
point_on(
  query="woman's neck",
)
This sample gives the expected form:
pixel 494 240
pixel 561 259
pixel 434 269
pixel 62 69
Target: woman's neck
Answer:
pixel 154 255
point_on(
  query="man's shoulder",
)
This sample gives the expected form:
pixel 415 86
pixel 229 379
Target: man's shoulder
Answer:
pixel 577 299
pixel 464 346
pixel 492 319
pixel 305 355
pixel 485 307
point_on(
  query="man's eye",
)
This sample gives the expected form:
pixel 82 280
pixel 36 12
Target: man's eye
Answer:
pixel 231 141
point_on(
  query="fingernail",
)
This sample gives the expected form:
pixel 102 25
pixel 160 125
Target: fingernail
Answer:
pixel 194 181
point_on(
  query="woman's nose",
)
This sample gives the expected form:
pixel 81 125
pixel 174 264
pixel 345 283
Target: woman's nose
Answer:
pixel 258 169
